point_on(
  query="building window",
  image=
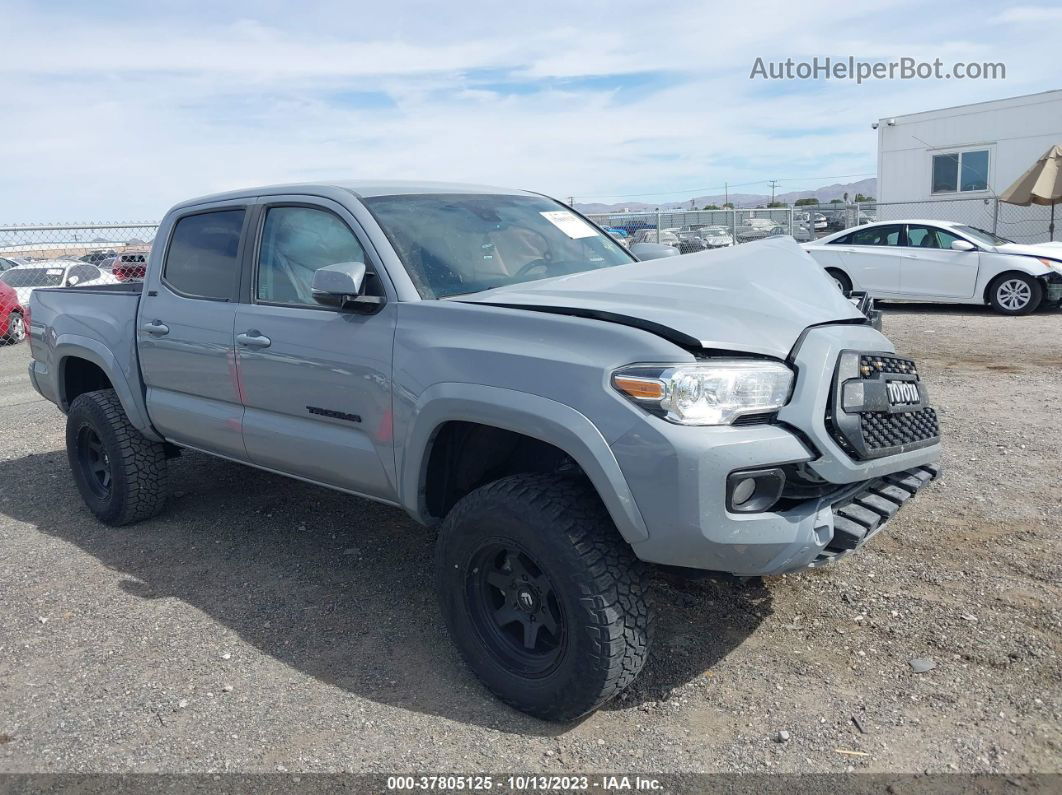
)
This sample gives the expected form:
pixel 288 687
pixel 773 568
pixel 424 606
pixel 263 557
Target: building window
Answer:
pixel 960 171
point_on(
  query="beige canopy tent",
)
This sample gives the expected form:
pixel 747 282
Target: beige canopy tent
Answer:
pixel 1041 184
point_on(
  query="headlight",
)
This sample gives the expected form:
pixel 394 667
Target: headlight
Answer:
pixel 709 393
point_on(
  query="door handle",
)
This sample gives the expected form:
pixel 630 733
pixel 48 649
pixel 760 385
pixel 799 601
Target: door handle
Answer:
pixel 253 339
pixel 156 328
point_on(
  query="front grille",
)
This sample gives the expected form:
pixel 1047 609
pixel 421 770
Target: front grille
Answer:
pixel 879 406
pixel 883 430
pixel 885 364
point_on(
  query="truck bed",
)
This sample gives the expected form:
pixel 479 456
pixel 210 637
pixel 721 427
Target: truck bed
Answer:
pixel 97 322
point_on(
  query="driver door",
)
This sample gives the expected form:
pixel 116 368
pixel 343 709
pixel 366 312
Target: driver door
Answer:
pixel 931 268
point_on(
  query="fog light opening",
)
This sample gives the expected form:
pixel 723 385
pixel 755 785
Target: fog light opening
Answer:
pixel 754 491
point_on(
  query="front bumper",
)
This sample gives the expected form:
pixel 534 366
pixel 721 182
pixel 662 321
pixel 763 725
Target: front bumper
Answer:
pixel 862 512
pixel 1052 287
pixel 677 475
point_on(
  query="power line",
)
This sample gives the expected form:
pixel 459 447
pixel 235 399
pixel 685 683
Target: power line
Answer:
pixel 774 184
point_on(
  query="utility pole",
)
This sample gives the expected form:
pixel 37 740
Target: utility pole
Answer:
pixel 571 201
pixel 774 184
pixel 726 194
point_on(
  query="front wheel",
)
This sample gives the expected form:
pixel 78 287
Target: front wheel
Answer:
pixel 1015 294
pixel 120 473
pixel 542 597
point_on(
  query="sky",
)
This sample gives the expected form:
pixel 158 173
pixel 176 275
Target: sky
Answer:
pixel 117 110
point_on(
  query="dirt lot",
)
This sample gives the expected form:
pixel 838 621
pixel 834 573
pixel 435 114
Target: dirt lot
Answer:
pixel 262 624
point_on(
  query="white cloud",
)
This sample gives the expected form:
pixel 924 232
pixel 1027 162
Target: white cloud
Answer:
pixel 115 111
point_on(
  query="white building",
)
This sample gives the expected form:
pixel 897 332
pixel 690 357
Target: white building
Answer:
pixel 968 152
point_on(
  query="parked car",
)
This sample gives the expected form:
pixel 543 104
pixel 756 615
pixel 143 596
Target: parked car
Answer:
pixel 667 237
pixel 14 317
pixel 716 236
pixel 942 262
pixel 758 228
pixel 96 257
pixel 127 267
pixel 566 415
pixel 6 264
pixel 53 273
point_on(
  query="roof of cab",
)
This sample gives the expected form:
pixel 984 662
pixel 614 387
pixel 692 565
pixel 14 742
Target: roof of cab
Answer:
pixel 360 189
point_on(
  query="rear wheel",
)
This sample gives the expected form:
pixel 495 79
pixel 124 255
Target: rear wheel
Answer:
pixel 16 329
pixel 1015 294
pixel 840 278
pixel 120 473
pixel 542 597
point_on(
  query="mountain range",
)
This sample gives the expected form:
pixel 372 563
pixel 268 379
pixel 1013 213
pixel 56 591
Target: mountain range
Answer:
pixel 868 187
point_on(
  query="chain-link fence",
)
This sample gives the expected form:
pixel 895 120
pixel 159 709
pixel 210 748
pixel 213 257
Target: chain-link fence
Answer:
pixel 696 230
pixel 65 255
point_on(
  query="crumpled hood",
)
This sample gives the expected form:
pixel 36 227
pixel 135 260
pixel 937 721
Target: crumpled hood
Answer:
pixel 754 298
pixel 1051 250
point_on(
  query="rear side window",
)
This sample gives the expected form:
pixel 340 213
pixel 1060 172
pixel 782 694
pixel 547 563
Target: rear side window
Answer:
pixel 83 273
pixel 201 261
pixel 875 236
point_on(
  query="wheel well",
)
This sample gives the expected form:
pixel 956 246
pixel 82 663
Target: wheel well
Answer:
pixel 834 270
pixel 467 455
pixel 80 376
pixel 988 287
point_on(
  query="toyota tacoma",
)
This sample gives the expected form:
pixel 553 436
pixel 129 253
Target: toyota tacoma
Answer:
pixel 493 363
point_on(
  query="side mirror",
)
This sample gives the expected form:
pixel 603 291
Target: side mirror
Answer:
pixel 962 245
pixel 646 251
pixel 341 285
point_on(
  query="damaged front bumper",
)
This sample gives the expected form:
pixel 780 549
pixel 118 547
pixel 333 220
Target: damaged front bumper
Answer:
pixel 861 513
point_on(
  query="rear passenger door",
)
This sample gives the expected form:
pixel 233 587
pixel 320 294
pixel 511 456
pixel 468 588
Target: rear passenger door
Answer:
pixel 316 380
pixel 872 256
pixel 184 332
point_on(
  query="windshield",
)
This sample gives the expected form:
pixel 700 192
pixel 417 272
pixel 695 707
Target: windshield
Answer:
pixel 983 237
pixel 453 244
pixel 33 277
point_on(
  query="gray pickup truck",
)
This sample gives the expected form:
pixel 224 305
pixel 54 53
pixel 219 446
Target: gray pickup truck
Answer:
pixel 497 366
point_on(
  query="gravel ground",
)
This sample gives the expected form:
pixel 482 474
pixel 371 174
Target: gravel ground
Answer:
pixel 262 624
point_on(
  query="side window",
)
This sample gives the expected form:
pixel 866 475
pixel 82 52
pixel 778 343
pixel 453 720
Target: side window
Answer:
pixel 843 240
pixel 876 236
pixel 296 241
pixel 79 274
pixel 929 237
pixel 201 260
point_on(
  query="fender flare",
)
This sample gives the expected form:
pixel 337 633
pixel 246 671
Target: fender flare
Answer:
pixel 75 346
pixel 531 415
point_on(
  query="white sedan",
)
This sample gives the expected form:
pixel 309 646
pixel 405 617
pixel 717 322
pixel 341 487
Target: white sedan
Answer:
pixel 54 273
pixel 942 262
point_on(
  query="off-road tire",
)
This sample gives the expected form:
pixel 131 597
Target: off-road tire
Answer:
pixel 999 303
pixel 137 465
pixel 598 583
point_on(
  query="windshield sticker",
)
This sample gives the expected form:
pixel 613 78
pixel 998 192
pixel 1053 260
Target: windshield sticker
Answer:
pixel 55 271
pixel 570 224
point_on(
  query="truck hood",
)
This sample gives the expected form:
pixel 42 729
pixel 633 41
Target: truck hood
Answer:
pixel 753 298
